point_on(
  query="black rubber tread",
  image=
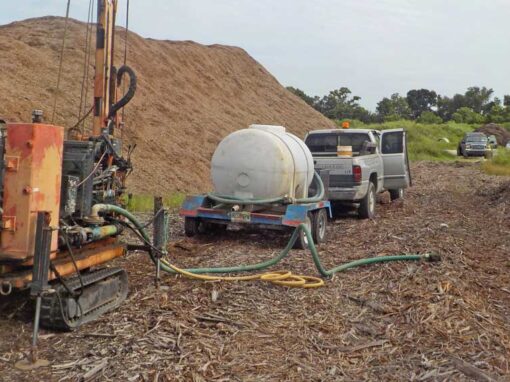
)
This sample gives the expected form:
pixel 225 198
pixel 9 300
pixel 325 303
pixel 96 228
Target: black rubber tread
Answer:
pixel 364 211
pixel 316 217
pixel 191 226
pixel 301 241
pixel 51 312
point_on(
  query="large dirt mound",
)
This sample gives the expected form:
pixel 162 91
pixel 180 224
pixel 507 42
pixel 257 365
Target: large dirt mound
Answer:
pixel 502 135
pixel 189 97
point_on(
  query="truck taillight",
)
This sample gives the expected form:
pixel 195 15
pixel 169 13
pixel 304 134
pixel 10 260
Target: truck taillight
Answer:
pixel 356 171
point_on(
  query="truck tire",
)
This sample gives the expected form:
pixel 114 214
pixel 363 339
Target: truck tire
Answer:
pixel 319 223
pixel 366 209
pixel 191 226
pixel 396 194
pixel 302 241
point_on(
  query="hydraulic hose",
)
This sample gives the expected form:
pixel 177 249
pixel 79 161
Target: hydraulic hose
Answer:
pixel 131 90
pixel 284 278
pixel 313 199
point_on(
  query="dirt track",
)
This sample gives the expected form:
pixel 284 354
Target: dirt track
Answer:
pixel 401 321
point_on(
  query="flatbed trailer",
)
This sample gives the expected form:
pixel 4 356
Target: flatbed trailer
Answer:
pixel 202 214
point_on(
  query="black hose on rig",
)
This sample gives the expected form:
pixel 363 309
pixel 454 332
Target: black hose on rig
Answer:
pixel 129 94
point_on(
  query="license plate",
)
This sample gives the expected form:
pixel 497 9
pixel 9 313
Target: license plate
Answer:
pixel 240 217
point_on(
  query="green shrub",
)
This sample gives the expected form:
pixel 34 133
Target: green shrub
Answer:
pixel 429 118
pixel 467 115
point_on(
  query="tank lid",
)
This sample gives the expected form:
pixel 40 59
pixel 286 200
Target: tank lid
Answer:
pixel 272 128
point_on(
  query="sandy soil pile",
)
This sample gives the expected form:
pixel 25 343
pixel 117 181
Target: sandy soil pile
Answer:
pixel 502 135
pixel 189 97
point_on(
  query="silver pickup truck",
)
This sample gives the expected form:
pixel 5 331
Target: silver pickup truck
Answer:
pixel 360 163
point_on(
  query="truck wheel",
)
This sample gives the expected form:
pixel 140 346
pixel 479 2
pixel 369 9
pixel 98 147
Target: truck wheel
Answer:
pixel 366 208
pixel 459 152
pixel 396 194
pixel 319 223
pixel 302 240
pixel 191 226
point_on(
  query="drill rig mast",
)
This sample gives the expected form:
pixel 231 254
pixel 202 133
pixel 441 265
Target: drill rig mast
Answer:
pixel 65 179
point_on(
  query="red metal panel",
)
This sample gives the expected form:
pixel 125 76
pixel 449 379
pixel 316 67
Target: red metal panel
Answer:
pixel 33 154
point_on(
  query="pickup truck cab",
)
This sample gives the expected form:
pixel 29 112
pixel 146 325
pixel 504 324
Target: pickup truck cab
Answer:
pixel 356 164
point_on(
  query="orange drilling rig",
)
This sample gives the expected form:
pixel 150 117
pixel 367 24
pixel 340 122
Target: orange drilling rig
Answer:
pixel 58 221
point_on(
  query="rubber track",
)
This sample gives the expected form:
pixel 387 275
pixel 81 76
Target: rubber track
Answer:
pixel 51 312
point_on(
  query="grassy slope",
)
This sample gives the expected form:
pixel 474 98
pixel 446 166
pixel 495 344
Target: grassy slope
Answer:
pixel 425 141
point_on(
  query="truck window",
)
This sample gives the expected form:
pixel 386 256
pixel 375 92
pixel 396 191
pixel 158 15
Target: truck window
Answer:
pixel 392 143
pixel 476 138
pixel 322 143
pixel 354 140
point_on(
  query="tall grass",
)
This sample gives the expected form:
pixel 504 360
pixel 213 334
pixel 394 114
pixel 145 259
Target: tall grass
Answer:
pixel 145 203
pixel 500 163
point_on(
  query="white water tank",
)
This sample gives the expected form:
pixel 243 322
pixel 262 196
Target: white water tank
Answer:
pixel 261 162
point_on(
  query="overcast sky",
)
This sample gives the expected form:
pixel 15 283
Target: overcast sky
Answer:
pixel 373 47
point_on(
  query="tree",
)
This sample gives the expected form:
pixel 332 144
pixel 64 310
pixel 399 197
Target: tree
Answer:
pixel 393 108
pixel 445 107
pixel 429 118
pixel 499 114
pixel 421 100
pixel 340 104
pixel 301 94
pixel 479 99
pixel 467 115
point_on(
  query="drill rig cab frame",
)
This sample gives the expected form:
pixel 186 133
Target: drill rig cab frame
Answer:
pixel 64 178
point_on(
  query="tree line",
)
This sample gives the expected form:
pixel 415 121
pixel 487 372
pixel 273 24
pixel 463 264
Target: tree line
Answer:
pixel 477 105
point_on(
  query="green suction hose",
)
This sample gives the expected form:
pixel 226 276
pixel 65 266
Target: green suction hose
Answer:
pixel 268 263
pixel 316 259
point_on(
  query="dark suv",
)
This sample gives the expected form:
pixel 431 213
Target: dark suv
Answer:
pixel 473 144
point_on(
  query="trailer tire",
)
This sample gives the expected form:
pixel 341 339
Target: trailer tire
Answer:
pixel 191 226
pixel 319 223
pixel 302 241
pixel 215 228
pixel 366 209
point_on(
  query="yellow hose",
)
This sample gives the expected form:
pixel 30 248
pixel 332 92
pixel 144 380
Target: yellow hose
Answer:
pixel 282 278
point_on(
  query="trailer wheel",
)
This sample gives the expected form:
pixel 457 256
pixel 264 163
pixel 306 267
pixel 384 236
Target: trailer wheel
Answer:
pixel 366 208
pixel 302 240
pixel 191 226
pixel 214 228
pixel 319 223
